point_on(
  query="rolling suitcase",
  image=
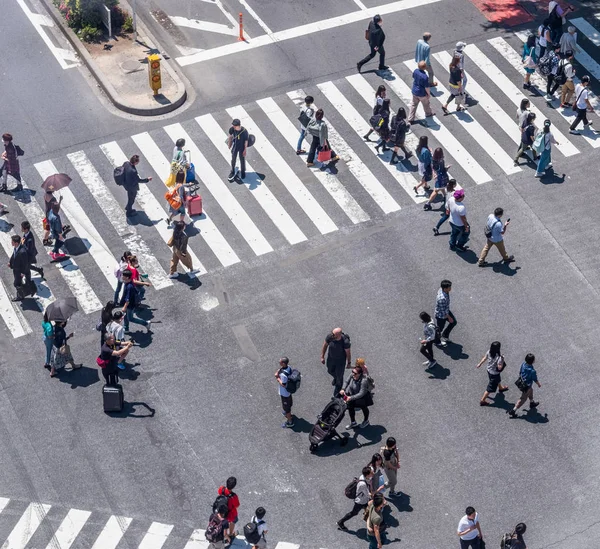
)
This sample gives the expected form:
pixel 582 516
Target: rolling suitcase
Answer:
pixel 113 398
pixel 193 204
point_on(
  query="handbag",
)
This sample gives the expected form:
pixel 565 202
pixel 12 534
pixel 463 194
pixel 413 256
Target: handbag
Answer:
pixel 102 363
pixel 170 182
pixel 65 350
pixel 576 101
pixel 324 154
pixel 521 385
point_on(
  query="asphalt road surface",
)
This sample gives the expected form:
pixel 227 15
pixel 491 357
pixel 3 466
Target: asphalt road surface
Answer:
pixel 202 403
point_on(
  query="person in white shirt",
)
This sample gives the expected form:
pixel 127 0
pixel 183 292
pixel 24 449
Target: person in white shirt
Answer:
pixel 544 37
pixel 495 229
pixel 281 375
pixel 469 530
pixel 458 221
pixel 307 112
pixel 362 497
pixel 568 87
pixel 582 104
pixel 261 527
pixel 458 52
pixel 116 329
pixel 568 41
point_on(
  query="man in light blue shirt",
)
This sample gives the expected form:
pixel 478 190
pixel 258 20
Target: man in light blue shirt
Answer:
pixel 422 54
pixel 494 232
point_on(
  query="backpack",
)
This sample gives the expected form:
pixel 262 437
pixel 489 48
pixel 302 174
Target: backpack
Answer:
pixel 376 121
pixel 19 150
pixel 488 230
pixel 172 197
pixel 545 64
pixel 293 382
pixel 304 118
pixel 119 175
pixel 539 143
pixel 351 490
pixel 506 541
pixel 438 334
pixel 561 76
pixel 554 20
pixel 370 384
pixel 221 500
pixel 251 531
pixel 251 139
pixel 214 530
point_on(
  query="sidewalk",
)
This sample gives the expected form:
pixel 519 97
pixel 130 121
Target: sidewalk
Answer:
pixel 120 67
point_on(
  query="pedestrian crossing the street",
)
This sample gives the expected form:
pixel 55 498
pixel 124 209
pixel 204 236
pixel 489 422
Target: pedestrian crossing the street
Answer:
pixel 43 526
pixel 282 204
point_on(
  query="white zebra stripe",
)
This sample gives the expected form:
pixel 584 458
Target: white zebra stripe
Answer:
pixel 286 175
pixel 156 536
pixel 149 204
pixel 26 527
pixel 479 133
pixel 69 529
pixel 222 195
pixel 68 268
pixel 197 540
pixel 258 188
pixel 330 182
pixel 12 315
pixel 209 232
pixel 82 224
pixel 112 533
pixel 590 32
pixel 115 214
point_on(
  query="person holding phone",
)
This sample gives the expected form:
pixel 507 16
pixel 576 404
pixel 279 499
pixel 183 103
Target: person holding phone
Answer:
pixel 495 365
pixel 494 232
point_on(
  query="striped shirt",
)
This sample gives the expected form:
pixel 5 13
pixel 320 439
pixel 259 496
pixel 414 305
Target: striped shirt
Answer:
pixel 442 304
pixel 422 51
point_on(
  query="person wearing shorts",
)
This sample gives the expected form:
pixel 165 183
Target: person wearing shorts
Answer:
pixel 495 365
pixel 281 375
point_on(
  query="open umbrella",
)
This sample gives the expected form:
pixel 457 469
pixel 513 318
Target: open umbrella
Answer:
pixel 56 182
pixel 62 309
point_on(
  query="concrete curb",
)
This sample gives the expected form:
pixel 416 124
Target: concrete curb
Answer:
pixel 106 86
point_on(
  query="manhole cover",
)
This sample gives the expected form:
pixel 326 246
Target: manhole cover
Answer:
pixel 131 66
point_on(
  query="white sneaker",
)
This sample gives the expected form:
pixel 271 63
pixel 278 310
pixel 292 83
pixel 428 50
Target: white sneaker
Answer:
pixel 431 364
pixel 364 424
pixel 426 363
pixel 443 341
pixel 174 275
pixel 353 425
pixel 549 97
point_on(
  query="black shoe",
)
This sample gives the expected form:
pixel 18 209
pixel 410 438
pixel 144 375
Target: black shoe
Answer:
pixel 427 207
pixel 533 404
pixel 435 231
pixel 132 213
pixel 42 273
pixel 17 298
pixel 231 176
pixel 18 188
pixel 394 159
pixel 358 67
pixel 511 413
pixel 66 231
pixel 461 248
pixel 3 189
pixel 242 175
pixel 383 67
pixel 341 526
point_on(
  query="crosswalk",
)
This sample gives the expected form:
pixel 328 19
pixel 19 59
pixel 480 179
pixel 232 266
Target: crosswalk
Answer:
pixel 40 525
pixel 282 204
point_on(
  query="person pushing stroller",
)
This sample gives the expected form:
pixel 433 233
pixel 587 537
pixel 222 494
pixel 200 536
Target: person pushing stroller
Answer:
pixel 356 394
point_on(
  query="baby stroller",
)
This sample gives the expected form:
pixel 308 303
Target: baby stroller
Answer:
pixel 327 421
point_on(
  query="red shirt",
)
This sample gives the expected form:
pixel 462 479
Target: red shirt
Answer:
pixel 134 273
pixel 233 503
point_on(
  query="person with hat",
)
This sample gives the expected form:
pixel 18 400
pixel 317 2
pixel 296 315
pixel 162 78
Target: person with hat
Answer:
pixel 422 54
pixel 376 38
pixel 238 145
pixel 459 52
pixel 582 104
pixel 458 221
pixel 545 160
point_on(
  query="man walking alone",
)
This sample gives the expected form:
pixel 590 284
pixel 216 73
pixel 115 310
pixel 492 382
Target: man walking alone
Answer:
pixel 376 38
pixel 281 375
pixel 422 53
pixel 443 313
pixel 461 231
pixel 132 183
pixel 337 347
pixel 238 145
pixel 494 232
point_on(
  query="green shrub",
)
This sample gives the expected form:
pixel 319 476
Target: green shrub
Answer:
pixel 89 33
pixel 127 24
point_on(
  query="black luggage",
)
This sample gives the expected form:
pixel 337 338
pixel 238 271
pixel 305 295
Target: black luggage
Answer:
pixel 112 395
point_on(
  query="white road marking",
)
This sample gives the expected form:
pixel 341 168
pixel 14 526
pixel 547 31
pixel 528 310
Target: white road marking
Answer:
pixel 156 536
pixel 360 4
pixel 478 132
pixel 399 172
pixel 68 268
pixel 257 188
pixel 253 14
pixel 497 113
pixel 286 175
pixel 284 545
pixel 185 50
pixel 203 25
pixel 61 54
pixel 26 527
pixel 329 181
pixel 442 134
pixel 116 215
pixel 43 296
pixel 228 16
pixel 197 540
pixel 112 533
pixel 69 529
pixel 149 204
pixel 83 226
pixel 222 195
pixel 303 30
pixel 3 503
pixel 514 59
pixel 590 32
pixel 208 230
pixel 12 315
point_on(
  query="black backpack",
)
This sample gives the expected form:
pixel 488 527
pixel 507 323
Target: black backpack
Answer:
pixel 119 175
pixel 293 381
pixel 545 64
pixel 19 150
pixel 351 489
pixel 506 541
pixel 221 500
pixel 251 531
pixel 376 121
pixel 304 118
pixel 561 76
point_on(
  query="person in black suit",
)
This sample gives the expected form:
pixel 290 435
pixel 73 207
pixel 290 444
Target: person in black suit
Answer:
pixel 376 38
pixel 29 243
pixel 19 263
pixel 132 183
